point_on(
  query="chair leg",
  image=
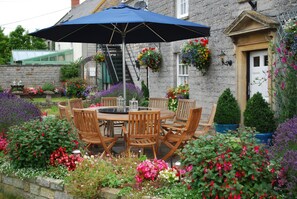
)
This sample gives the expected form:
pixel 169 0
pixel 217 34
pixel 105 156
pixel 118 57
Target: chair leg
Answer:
pixel 154 151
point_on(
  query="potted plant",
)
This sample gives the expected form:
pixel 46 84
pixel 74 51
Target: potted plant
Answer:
pixel 150 57
pixel 227 115
pixel 99 57
pixel 259 115
pixel 196 53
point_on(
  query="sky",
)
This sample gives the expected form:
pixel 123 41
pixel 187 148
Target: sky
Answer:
pixel 32 15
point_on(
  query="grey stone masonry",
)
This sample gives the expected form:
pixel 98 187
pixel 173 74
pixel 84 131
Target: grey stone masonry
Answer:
pixel 30 75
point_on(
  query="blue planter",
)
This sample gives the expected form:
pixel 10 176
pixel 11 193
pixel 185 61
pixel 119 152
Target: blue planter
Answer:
pixel 264 138
pixel 223 128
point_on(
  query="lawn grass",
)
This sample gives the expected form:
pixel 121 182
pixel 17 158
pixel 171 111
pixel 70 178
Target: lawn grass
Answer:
pixel 54 99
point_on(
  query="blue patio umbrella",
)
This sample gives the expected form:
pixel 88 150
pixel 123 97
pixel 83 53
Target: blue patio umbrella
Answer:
pixel 123 24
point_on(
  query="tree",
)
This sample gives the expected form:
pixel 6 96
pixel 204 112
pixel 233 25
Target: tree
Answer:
pixel 18 39
pixel 4 51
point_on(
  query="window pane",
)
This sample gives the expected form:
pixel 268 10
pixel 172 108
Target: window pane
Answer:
pixel 256 61
pixel 266 60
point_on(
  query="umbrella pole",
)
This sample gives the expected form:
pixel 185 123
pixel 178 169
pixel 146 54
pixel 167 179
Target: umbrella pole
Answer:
pixel 124 68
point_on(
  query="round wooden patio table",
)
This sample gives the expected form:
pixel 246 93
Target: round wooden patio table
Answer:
pixel 112 117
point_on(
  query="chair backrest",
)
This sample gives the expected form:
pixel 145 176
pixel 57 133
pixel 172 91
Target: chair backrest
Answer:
pixel 86 123
pixel 183 109
pixel 212 114
pixel 193 121
pixel 75 103
pixel 161 103
pixel 64 111
pixel 144 124
pixel 109 101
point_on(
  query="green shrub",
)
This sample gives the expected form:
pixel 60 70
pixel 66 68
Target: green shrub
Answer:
pixel 31 144
pixel 76 87
pixel 70 71
pixel 1 89
pixel 48 87
pixel 230 166
pixel 228 111
pixel 258 114
pixel 146 94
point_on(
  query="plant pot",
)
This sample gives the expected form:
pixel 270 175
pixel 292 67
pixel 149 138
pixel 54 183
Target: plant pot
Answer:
pixel 264 138
pixel 223 128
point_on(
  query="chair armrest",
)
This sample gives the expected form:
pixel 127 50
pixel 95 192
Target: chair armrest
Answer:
pixel 173 127
pixel 204 124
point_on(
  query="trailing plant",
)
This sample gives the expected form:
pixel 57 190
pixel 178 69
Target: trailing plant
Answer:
pixel 76 88
pixel 196 53
pixel 32 143
pixel 284 154
pixel 173 94
pixel 229 166
pixel 228 111
pixel 48 87
pixel 70 71
pixel 284 72
pixel 99 57
pixel 258 114
pixel 15 111
pixel 150 57
pixel 116 90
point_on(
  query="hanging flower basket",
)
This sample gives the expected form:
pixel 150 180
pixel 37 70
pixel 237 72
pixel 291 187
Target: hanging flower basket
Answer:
pixel 99 57
pixel 196 53
pixel 151 58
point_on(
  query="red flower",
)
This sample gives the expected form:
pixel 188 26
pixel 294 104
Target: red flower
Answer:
pixel 256 149
pixel 42 134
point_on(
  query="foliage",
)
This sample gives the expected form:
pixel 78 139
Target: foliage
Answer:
pixel 150 57
pixel 31 144
pixel 14 110
pixel 229 165
pixel 258 114
pixel 146 94
pixel 92 173
pixel 48 87
pixel 116 90
pixel 149 170
pixel 228 111
pixel 61 157
pixel 173 94
pixel 1 89
pixel 18 39
pixel 284 72
pixel 70 71
pixel 99 57
pixel 196 53
pixel 76 87
pixel 284 153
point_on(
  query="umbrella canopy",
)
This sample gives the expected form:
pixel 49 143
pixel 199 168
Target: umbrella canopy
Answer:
pixel 123 24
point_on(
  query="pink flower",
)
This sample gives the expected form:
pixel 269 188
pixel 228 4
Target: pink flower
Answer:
pixel 284 60
pixel 283 85
pixel 256 149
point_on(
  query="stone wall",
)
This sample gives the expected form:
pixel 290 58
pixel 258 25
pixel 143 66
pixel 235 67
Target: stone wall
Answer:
pixel 43 188
pixel 30 75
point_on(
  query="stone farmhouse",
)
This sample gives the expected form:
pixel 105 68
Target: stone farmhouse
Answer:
pixel 241 34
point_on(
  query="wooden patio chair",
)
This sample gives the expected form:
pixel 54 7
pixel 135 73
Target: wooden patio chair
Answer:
pixel 142 130
pixel 204 127
pixel 177 136
pixel 64 112
pixel 110 101
pixel 87 124
pixel 75 103
pixel 161 103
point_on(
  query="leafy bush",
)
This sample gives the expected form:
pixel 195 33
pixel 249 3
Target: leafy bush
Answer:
pixel 48 87
pixel 14 110
pixel 146 94
pixel 228 111
pixel 229 165
pixel 70 71
pixel 116 90
pixel 31 144
pixel 91 174
pixel 258 114
pixel 1 89
pixel 76 87
pixel 284 152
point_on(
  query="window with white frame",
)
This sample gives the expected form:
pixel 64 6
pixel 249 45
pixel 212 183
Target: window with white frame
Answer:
pixel 182 8
pixel 182 71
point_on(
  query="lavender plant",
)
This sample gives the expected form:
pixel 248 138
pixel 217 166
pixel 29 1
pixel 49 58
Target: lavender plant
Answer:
pixel 284 152
pixel 15 111
pixel 116 90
